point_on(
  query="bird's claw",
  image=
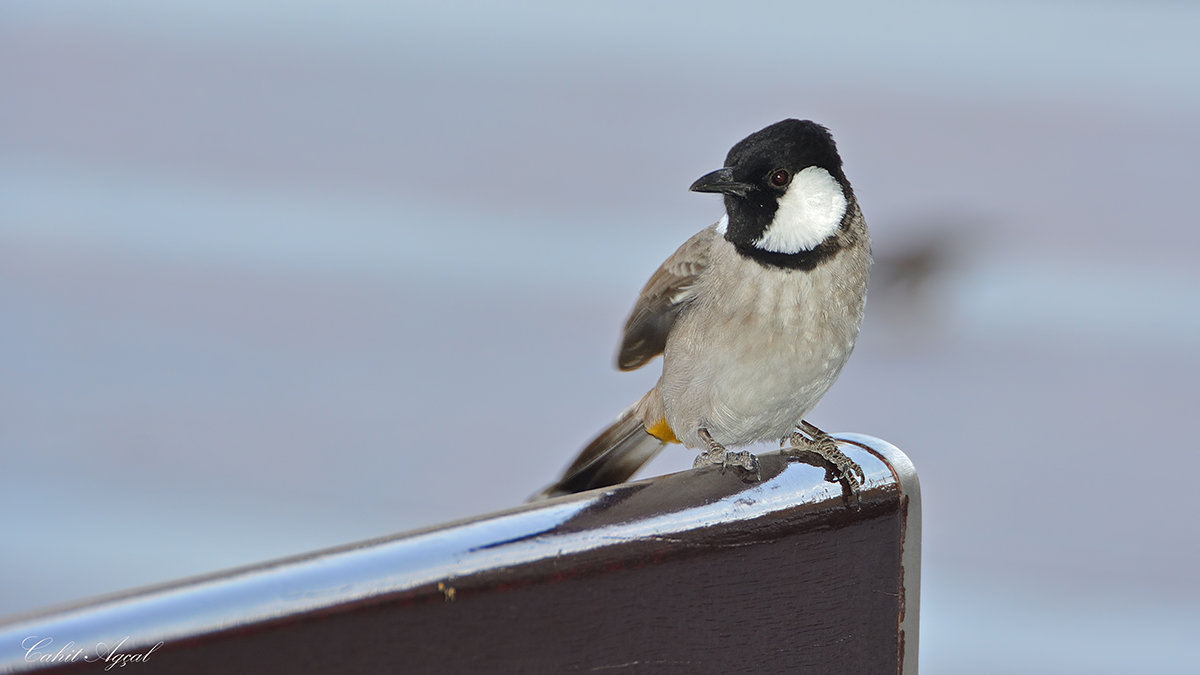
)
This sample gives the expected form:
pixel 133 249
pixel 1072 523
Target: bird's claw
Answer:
pixel 817 442
pixel 717 455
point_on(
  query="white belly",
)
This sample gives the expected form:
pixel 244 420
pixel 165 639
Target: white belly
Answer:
pixel 749 361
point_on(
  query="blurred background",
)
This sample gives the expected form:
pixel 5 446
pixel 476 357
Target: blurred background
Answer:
pixel 277 276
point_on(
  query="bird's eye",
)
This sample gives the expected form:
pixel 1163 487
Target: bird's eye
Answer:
pixel 780 177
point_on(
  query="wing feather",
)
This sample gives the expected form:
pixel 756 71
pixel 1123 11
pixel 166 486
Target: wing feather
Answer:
pixel 667 294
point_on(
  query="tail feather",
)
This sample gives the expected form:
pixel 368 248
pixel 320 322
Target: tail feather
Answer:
pixel 611 458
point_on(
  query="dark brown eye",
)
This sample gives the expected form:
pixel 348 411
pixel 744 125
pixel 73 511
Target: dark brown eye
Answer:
pixel 780 177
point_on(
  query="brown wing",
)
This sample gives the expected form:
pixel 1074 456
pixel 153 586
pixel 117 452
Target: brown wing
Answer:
pixel 668 293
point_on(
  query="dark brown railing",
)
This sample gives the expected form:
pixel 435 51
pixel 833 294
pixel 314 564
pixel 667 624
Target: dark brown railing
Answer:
pixel 695 572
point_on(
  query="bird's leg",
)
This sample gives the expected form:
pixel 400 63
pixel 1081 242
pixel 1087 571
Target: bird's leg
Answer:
pixel 717 455
pixel 809 439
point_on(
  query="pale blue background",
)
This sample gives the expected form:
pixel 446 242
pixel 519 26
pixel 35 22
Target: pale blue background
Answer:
pixel 277 276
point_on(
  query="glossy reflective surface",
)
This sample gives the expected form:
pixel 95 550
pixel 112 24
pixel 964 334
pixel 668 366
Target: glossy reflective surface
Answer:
pixel 688 511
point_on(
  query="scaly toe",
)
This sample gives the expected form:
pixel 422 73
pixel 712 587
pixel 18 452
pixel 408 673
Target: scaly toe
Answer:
pixel 848 472
pixel 741 460
pixel 745 461
pixel 708 459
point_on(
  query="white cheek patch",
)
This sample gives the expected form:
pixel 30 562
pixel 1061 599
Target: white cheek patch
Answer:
pixel 723 224
pixel 810 211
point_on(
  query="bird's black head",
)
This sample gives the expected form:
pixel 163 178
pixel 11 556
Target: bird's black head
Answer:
pixel 785 194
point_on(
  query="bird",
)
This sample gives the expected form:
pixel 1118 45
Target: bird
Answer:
pixel 754 316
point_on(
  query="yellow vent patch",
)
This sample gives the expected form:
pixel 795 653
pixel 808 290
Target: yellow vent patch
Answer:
pixel 662 431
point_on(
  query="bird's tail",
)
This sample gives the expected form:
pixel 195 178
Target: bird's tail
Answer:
pixel 611 458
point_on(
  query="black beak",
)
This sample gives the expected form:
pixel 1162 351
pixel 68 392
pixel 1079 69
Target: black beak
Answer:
pixel 721 181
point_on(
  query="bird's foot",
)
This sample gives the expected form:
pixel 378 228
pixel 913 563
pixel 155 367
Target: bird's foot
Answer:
pixel 717 455
pixel 807 439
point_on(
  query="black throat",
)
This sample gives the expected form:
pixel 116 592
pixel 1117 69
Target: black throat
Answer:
pixel 805 261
